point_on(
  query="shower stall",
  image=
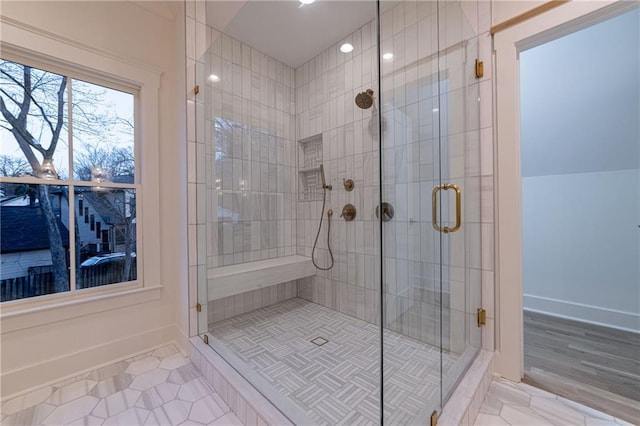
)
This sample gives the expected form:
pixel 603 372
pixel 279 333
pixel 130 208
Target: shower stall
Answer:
pixel 345 125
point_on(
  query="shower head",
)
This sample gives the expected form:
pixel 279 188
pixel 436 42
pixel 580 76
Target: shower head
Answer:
pixel 324 182
pixel 364 100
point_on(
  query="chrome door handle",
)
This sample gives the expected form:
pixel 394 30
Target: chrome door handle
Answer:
pixel 434 208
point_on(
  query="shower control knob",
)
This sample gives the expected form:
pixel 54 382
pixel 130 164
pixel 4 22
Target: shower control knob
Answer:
pixel 387 212
pixel 348 184
pixel 348 212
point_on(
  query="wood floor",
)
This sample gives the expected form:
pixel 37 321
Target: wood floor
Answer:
pixel 596 366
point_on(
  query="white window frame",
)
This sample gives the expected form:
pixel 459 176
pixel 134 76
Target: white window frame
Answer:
pixel 54 53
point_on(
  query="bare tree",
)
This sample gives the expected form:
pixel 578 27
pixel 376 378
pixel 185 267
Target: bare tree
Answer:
pixel 22 92
pixel 33 105
pixel 118 163
pixel 13 167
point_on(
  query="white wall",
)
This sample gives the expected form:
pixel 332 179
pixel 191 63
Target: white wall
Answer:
pixel 587 94
pixel 581 246
pixel 152 34
pixel 580 188
pixel 503 10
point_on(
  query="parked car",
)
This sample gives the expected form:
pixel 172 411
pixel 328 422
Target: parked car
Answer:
pixel 103 259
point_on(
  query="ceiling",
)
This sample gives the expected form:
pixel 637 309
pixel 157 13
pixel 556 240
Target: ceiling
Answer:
pixel 286 31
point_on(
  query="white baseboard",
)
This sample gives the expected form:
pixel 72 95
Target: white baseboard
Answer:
pixel 182 340
pixel 21 380
pixel 627 321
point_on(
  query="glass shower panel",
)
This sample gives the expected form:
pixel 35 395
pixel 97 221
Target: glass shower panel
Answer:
pixel 410 246
pixel 430 171
pixel 276 101
pixel 197 44
pixel 460 276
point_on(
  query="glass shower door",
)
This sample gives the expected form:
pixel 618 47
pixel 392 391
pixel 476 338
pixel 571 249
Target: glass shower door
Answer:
pixel 430 175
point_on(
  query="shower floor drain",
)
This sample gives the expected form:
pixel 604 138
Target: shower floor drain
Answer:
pixel 319 341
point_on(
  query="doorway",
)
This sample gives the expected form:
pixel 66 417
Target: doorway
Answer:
pixel 580 164
pixel 562 274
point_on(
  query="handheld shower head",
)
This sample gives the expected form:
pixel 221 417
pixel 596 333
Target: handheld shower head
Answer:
pixel 324 181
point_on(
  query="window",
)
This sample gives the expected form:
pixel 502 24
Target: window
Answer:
pixel 69 181
pixel 47 52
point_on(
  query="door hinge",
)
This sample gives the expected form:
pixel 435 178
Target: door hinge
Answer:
pixel 196 90
pixel 482 317
pixel 198 307
pixel 434 418
pixel 479 68
pixel 206 339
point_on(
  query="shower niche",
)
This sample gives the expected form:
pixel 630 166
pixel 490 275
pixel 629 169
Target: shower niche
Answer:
pixel 309 161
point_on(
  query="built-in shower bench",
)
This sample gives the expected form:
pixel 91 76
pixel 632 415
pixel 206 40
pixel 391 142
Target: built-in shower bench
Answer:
pixel 230 280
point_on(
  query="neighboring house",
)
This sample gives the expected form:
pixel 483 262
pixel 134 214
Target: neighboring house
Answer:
pixel 24 241
pixel 89 224
pixel 100 227
pixel 100 220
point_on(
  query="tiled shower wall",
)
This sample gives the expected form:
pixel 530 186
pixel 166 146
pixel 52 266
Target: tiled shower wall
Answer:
pixel 231 306
pixel 325 90
pixel 326 87
pixel 241 158
pixel 487 261
pixel 442 144
pixel 250 151
pixel 411 169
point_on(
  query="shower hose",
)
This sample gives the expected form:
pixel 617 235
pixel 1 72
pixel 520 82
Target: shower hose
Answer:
pixel 315 243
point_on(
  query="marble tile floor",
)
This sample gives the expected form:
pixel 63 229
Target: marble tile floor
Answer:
pixel 161 387
pixel 336 380
pixel 520 404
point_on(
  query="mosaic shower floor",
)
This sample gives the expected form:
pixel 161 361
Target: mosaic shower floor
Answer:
pixel 335 382
pixel 161 387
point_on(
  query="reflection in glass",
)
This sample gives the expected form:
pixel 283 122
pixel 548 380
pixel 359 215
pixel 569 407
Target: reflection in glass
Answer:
pixel 34 237
pixel 103 134
pixel 105 247
pixel 252 163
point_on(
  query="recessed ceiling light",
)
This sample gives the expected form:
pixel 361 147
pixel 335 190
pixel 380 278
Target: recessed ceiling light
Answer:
pixel 388 57
pixel 306 1
pixel 214 78
pixel 435 110
pixel 346 48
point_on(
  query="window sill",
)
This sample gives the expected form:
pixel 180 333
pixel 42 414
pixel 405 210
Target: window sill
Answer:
pixel 21 317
